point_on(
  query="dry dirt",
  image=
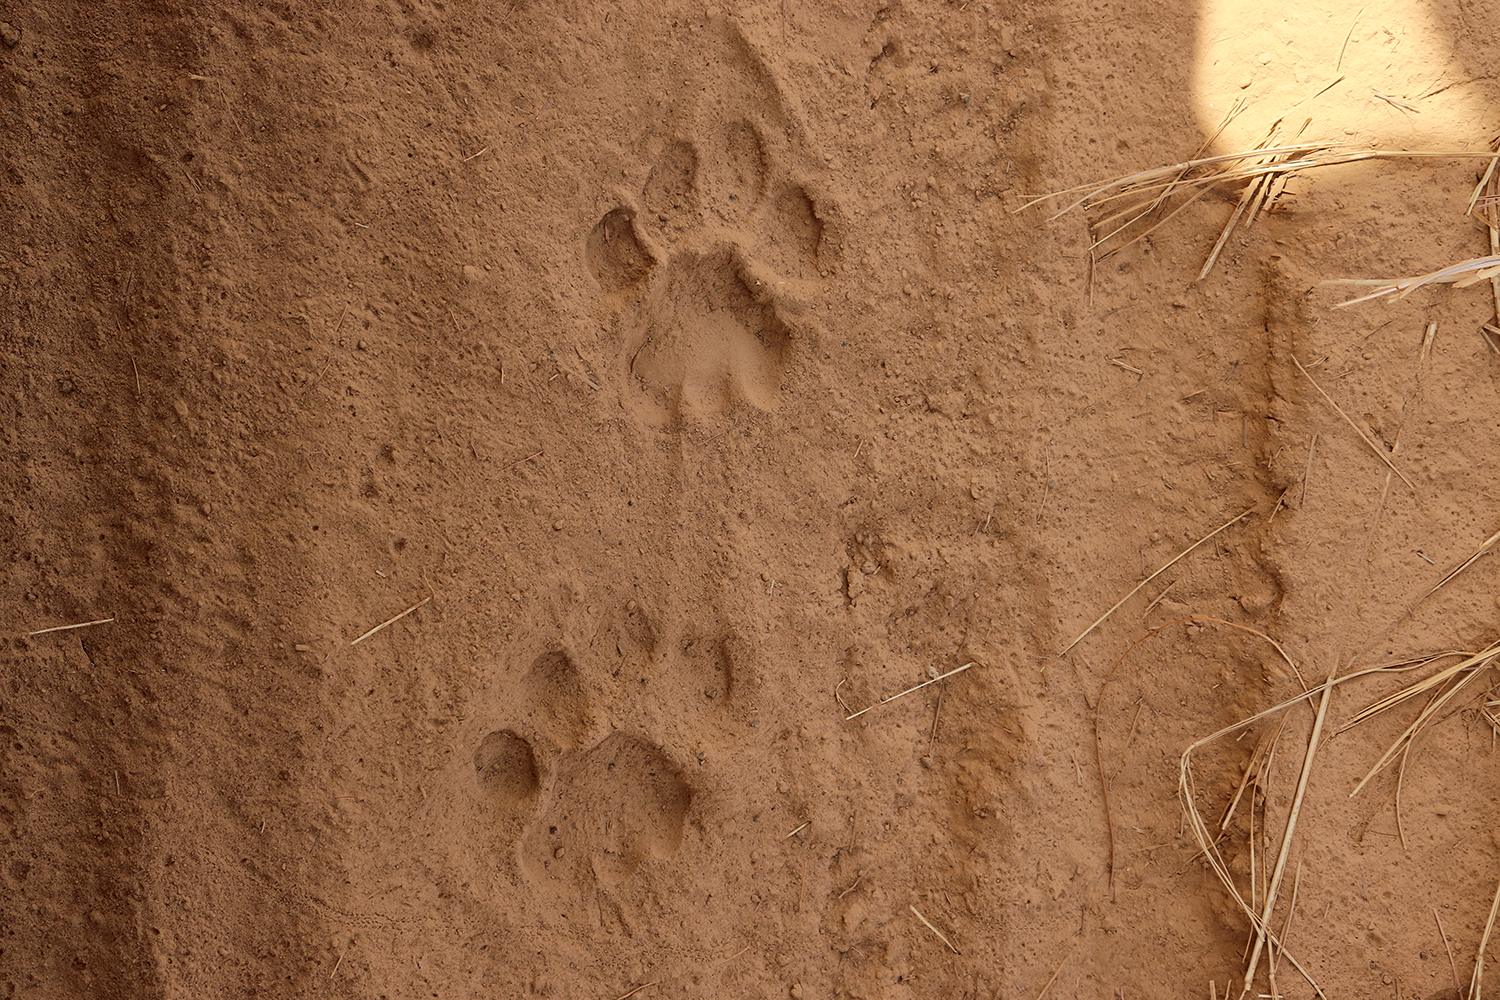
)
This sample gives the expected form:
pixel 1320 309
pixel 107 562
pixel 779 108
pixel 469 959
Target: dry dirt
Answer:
pixel 692 364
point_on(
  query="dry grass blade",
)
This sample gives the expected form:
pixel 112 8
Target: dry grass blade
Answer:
pixel 1137 588
pixel 1478 980
pixel 1291 828
pixel 928 924
pixel 1104 779
pixel 1263 165
pixel 1458 988
pixel 1460 674
pixel 1460 275
pixel 1484 180
pixel 1207 843
pixel 1484 547
pixel 1256 194
pixel 1379 451
pixel 68 628
pixel 1048 984
pixel 391 621
pixel 902 694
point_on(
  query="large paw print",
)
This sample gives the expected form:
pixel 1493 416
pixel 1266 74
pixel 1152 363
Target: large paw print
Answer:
pixel 708 269
pixel 584 802
pixel 584 814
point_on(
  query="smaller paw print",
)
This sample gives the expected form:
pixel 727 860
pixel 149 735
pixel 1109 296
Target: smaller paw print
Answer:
pixel 707 269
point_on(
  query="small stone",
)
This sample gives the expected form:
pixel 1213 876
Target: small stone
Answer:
pixel 796 991
pixel 66 386
pixel 559 852
pixel 206 508
pixel 557 525
pixel 9 34
pixel 303 647
pixel 361 345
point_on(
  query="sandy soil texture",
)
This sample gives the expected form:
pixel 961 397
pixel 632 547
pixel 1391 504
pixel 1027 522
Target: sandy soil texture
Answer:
pixel 695 378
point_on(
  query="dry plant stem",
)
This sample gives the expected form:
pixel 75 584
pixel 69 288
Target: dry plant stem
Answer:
pixel 1048 984
pixel 1477 982
pixel 1137 588
pixel 1459 275
pixel 1484 547
pixel 887 701
pixel 1252 194
pixel 928 924
pixel 1187 791
pixel 1291 828
pixel 1307 472
pixel 1286 930
pixel 1484 181
pixel 1458 988
pixel 1161 177
pixel 1137 212
pixel 1308 155
pixel 1492 216
pixel 1380 452
pixel 1340 60
pixel 627 996
pixel 391 621
pixel 1470 668
pixel 1252 768
pixel 1099 705
pixel 65 628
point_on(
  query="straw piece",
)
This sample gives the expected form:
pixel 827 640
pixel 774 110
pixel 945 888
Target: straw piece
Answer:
pixel 1478 979
pixel 1473 665
pixel 1379 451
pixel 1252 194
pixel 1459 275
pixel 627 996
pixel 887 701
pixel 391 621
pixel 1484 547
pixel 1458 989
pixel 1291 827
pixel 64 628
pixel 928 923
pixel 1187 793
pixel 1309 154
pixel 1136 589
pixel 1046 986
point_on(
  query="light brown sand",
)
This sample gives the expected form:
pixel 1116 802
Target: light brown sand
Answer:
pixel 692 361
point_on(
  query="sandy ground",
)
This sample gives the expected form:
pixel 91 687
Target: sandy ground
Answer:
pixel 691 371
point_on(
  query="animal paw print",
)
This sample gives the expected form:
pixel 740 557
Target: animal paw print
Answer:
pixel 581 801
pixel 584 815
pixel 708 269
